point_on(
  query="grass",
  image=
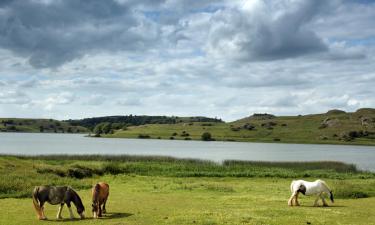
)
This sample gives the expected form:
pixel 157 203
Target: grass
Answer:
pixel 18 174
pixel 285 129
pixel 38 125
pixel 138 199
pixel 165 190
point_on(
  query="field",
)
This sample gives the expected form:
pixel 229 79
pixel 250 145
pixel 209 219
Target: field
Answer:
pixel 333 127
pixel 38 125
pixel 162 190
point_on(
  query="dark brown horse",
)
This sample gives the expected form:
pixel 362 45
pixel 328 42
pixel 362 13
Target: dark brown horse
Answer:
pixel 56 195
pixel 100 193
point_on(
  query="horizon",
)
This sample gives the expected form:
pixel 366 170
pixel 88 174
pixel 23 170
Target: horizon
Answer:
pixel 216 117
pixel 224 59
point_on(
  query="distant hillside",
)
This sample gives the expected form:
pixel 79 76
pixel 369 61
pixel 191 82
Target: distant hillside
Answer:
pixel 38 125
pixel 332 127
pixel 132 120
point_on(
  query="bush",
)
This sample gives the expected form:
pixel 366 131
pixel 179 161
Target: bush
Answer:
pixel 143 136
pixel 206 136
pixel 80 172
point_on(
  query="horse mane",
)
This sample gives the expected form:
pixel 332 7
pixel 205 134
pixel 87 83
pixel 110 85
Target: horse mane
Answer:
pixel 77 200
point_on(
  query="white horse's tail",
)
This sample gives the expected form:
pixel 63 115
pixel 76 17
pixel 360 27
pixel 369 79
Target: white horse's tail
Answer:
pixel 291 186
pixel 329 191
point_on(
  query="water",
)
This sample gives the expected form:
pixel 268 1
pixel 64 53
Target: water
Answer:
pixel 36 144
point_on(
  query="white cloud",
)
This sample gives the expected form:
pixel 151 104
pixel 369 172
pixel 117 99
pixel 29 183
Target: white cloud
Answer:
pixel 213 58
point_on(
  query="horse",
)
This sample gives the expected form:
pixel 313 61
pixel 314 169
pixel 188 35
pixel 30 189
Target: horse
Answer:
pixel 56 195
pixel 100 192
pixel 317 188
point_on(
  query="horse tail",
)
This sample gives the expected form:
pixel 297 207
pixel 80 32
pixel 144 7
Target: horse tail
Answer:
pixel 291 186
pixel 36 202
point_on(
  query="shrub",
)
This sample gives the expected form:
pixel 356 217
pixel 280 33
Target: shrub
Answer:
pixel 206 136
pixel 143 136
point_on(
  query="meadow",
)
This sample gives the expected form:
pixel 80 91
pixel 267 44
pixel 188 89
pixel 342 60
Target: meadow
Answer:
pixel 333 127
pixel 165 190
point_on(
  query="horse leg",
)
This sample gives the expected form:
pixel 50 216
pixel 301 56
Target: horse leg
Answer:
pixel 58 216
pixel 291 199
pixel 323 200
pixel 42 211
pixel 316 201
pixel 105 201
pixel 70 210
pixel 100 210
pixel 296 200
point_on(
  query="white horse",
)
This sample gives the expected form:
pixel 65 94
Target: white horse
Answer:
pixel 317 188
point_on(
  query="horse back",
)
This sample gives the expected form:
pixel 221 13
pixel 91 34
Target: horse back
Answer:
pixel 52 194
pixel 100 191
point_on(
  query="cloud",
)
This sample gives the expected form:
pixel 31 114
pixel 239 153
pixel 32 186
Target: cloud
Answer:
pixel 14 97
pixel 266 30
pixel 94 100
pixel 55 32
pixel 63 98
pixel 129 101
pixel 74 59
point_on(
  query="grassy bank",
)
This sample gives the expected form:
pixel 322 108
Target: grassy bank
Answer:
pixel 38 126
pixel 333 127
pixel 205 201
pixel 165 190
pixel 19 174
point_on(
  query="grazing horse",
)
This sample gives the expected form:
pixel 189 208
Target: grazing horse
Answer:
pixel 317 188
pixel 100 194
pixel 56 195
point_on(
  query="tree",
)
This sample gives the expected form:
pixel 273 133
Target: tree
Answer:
pixel 41 129
pixel 106 128
pixel 98 129
pixel 206 136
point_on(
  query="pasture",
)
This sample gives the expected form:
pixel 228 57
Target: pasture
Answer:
pixel 338 128
pixel 166 195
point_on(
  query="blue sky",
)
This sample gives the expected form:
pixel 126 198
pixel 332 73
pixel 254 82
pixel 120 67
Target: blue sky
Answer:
pixel 229 59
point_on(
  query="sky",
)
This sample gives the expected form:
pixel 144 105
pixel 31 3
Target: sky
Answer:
pixel 71 59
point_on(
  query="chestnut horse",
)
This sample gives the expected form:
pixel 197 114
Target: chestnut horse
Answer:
pixel 100 194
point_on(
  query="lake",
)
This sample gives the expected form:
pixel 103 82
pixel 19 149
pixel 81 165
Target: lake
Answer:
pixel 43 143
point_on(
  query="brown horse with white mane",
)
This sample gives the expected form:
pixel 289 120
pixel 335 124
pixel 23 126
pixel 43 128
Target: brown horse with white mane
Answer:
pixel 100 193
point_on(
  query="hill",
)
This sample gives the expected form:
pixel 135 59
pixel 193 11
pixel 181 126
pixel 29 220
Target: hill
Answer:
pixel 38 125
pixel 332 127
pixel 133 120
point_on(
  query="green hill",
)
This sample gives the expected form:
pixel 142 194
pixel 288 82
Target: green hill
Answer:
pixel 333 127
pixel 38 125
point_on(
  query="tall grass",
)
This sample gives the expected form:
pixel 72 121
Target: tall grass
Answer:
pixel 20 173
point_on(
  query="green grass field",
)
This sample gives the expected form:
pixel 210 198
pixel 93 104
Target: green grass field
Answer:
pixel 169 200
pixel 341 128
pixel 163 190
pixel 38 125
